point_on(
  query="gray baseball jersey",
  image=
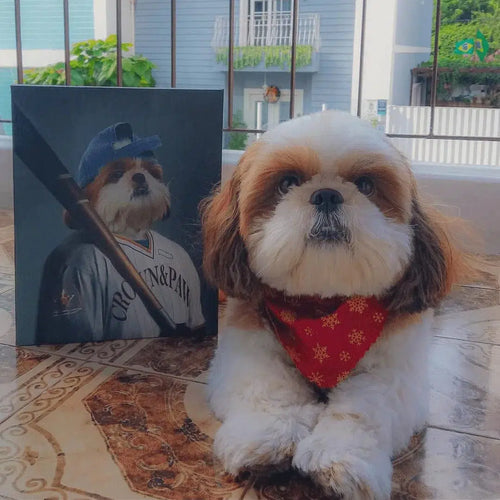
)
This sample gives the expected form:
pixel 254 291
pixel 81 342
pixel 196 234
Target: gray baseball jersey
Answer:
pixel 83 298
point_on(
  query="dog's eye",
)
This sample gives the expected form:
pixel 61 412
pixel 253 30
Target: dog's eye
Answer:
pixel 287 182
pixel 116 175
pixel 365 185
pixel 155 171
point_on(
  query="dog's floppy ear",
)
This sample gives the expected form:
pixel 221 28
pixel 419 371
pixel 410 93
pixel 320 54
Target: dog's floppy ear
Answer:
pixel 435 265
pixel 225 257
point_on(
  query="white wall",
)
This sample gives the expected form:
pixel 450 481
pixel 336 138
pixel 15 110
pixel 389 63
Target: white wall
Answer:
pixel 378 48
pixel 105 20
pixel 470 193
pixel 31 58
pixel 397 38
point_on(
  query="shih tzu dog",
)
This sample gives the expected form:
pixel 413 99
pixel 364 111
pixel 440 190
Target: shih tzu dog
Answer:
pixel 129 195
pixel 332 265
pixel 82 296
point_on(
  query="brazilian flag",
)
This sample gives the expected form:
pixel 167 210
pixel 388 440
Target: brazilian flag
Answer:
pixel 465 46
pixel 481 45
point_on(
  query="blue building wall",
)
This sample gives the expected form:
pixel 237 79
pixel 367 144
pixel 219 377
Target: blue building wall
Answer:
pixel 42 23
pixel 197 67
pixel 42 27
pixel 7 26
pixel 195 59
pixel 332 83
pixel 7 78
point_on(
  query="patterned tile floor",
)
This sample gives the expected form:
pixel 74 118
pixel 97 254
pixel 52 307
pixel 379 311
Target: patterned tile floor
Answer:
pixel 128 419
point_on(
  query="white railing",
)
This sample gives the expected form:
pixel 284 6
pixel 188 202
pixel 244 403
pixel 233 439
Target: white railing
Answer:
pixel 268 29
pixel 447 121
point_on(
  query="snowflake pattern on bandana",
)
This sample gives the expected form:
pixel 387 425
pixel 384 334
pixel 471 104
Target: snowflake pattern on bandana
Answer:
pixel 287 317
pixel 356 336
pixel 357 304
pixel 326 348
pixel 330 321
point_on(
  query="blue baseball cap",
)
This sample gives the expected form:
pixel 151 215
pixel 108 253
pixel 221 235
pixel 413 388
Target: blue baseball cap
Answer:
pixel 112 143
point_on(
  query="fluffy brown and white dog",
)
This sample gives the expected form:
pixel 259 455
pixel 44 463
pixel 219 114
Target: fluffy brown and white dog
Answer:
pixel 129 195
pixel 84 298
pixel 323 209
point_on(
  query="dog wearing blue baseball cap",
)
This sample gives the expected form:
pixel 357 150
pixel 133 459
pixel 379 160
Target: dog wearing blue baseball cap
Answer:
pixel 82 297
pixel 123 180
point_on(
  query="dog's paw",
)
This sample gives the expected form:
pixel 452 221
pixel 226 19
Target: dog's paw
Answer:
pixel 254 441
pixel 352 473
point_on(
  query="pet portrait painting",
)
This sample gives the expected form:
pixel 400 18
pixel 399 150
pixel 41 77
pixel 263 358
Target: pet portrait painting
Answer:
pixel 332 264
pixel 133 155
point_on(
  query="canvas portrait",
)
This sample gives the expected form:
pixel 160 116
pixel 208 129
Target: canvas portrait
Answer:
pixel 142 164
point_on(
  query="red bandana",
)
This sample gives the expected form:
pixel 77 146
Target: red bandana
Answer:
pixel 326 343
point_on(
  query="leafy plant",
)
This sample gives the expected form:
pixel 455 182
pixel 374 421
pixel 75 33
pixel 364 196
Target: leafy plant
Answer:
pixel 453 11
pixel 460 72
pixel 450 34
pixel 94 63
pixel 460 20
pixel 238 140
pixel 276 55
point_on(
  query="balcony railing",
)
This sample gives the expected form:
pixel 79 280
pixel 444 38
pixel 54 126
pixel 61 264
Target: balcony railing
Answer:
pixel 268 29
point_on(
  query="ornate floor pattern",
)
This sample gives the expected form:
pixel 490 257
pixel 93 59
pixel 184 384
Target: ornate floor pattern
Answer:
pixel 127 420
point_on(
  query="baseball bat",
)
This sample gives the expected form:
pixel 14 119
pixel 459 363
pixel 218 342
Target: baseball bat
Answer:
pixel 43 162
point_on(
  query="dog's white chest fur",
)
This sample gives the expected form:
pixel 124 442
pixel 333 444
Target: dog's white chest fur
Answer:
pixel 271 414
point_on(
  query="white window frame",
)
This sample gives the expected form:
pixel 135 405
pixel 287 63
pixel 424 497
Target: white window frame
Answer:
pixel 251 96
pixel 247 12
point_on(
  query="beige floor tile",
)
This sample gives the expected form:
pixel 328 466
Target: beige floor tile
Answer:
pixel 489 276
pixel 113 433
pixel 450 466
pixel 6 217
pixel 6 274
pixel 6 240
pixel 30 386
pixel 123 434
pixel 16 362
pixel 104 352
pixel 465 396
pixel 6 233
pixel 109 352
pixel 480 325
pixel 186 358
pixel 7 318
pixel 468 299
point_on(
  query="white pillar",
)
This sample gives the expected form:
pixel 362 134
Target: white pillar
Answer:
pixel 259 117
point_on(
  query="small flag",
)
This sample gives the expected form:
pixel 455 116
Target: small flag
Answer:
pixel 481 45
pixel 465 46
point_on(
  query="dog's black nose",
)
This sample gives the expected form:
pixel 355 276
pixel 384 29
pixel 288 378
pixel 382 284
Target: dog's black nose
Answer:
pixel 139 179
pixel 326 200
